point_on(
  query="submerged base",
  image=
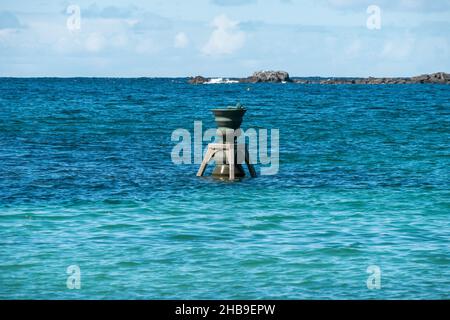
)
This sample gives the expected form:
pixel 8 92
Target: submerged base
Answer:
pixel 224 170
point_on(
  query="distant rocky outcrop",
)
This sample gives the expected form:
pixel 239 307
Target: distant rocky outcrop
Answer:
pixel 268 76
pixel 283 76
pixel 198 80
pixel 259 76
pixel 437 78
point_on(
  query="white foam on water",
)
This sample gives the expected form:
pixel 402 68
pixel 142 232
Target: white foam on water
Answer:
pixel 221 81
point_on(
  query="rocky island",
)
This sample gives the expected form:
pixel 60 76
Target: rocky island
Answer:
pixel 259 76
pixel 267 76
pixel 283 77
pixel 439 78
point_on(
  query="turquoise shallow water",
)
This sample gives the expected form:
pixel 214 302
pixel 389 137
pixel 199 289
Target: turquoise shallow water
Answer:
pixel 86 179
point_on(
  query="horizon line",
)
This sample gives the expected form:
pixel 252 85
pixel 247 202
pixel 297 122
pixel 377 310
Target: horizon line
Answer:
pixel 187 77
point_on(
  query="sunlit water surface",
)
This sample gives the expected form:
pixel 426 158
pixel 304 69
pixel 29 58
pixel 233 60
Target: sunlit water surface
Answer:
pixel 86 179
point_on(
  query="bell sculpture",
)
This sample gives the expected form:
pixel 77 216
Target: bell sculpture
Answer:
pixel 228 155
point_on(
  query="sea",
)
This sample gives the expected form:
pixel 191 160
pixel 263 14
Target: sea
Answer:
pixel 92 205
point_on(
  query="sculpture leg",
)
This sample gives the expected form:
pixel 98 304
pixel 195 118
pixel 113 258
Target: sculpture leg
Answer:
pixel 206 159
pixel 251 169
pixel 231 160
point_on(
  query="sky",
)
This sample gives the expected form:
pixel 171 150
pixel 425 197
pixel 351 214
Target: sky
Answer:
pixel 223 38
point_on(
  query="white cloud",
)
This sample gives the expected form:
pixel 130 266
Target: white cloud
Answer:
pixel 233 2
pixel 95 42
pixel 109 12
pixel 226 37
pixel 5 33
pixel 398 49
pixel 146 45
pixel 399 5
pixel 354 49
pixel 181 40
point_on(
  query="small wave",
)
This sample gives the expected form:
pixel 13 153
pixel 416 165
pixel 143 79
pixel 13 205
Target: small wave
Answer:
pixel 221 81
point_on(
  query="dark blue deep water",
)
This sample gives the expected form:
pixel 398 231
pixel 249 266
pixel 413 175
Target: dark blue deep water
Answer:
pixel 86 179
